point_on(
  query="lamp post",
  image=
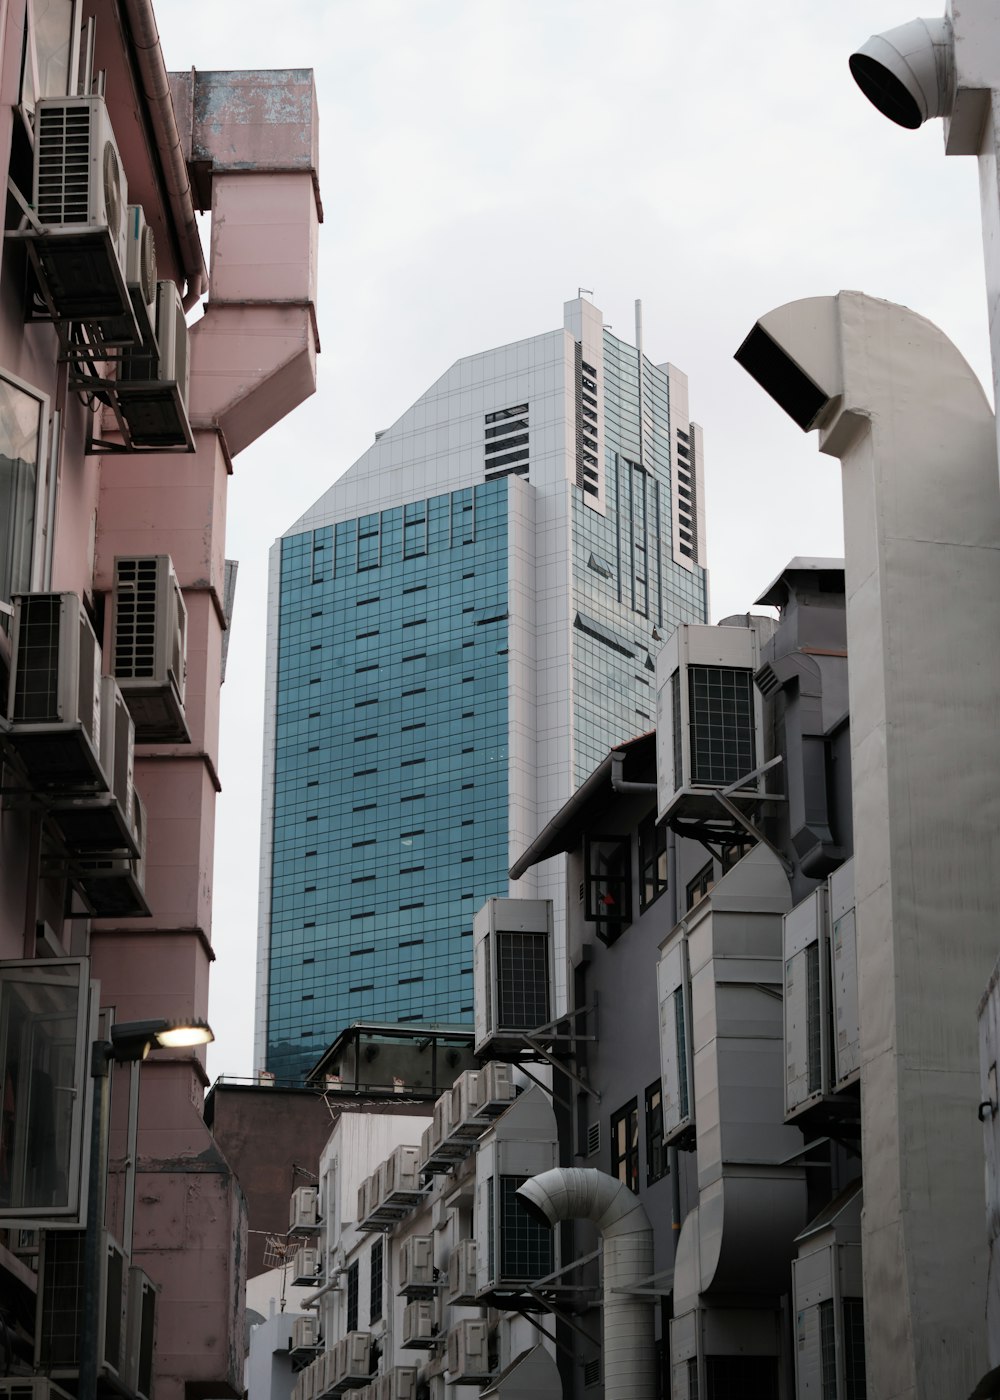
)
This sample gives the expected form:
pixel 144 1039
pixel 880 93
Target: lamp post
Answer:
pixel 128 1043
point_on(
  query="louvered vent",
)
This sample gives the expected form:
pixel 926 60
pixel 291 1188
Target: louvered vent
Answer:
pixel 36 683
pixel 593 1139
pixel 135 619
pixel 64 165
pixel 147 264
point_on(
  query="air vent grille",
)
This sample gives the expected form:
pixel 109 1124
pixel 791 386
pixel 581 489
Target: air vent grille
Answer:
pixel 64 165
pixel 147 264
pixel 135 618
pixel 36 683
pixel 593 1139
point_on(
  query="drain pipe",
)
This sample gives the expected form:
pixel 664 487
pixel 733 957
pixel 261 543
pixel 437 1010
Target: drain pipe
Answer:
pixel 618 783
pixel 582 1193
pixel 156 90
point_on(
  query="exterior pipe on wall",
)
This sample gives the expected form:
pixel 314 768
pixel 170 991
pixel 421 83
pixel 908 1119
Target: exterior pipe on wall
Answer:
pixel 581 1193
pixel 156 90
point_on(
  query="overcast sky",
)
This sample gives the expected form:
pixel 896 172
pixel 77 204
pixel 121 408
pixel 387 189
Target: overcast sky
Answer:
pixel 479 163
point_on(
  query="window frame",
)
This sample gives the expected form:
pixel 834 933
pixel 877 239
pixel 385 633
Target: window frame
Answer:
pixel 626 1118
pixel 656 1151
pixel 650 858
pixel 376 1280
pixel 39 526
pixel 700 885
pixel 351 1296
pixel 596 904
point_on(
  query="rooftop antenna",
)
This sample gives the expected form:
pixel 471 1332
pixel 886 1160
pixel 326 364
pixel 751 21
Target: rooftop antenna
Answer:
pixel 580 291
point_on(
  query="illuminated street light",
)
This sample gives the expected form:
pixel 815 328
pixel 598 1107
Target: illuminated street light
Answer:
pixel 128 1043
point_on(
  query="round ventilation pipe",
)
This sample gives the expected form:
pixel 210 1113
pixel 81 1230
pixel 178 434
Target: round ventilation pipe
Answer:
pixel 581 1193
pixel 907 72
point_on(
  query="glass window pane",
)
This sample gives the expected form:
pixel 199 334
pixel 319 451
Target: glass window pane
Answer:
pixel 21 418
pixel 42 1006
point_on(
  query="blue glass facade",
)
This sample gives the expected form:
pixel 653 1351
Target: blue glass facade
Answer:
pixel 626 584
pixel 391 730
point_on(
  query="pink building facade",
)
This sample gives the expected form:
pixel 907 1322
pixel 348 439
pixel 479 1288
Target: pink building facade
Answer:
pixel 119 426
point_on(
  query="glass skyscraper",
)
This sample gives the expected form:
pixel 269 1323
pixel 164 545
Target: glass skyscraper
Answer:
pixel 459 630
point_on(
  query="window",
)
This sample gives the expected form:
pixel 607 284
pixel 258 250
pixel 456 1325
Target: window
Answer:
pixel 608 885
pixel 352 1297
pixel 43 1064
pixel 699 887
pixel 23 421
pixel 680 1031
pixel 47 60
pixel 652 860
pixel 656 1153
pixel 375 1282
pixel 625 1145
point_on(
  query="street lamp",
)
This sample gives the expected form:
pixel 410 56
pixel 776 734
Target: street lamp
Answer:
pixel 127 1043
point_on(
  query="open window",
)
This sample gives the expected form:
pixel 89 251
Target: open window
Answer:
pixel 23 424
pixel 608 885
pixel 43 1080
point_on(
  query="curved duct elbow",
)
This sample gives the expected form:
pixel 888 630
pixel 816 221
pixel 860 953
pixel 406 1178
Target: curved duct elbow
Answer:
pixel 907 72
pixel 581 1193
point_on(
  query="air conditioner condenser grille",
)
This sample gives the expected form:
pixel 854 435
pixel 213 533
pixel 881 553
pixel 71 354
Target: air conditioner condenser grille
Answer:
pixel 135 620
pixel 61 1304
pixel 64 165
pixel 36 683
pixel 522 980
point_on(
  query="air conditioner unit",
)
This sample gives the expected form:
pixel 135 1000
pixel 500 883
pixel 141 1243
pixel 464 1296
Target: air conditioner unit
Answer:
pixel 846 1065
pixel 54 703
pixel 402 1172
pixel 426 1146
pixel 114 886
pixel 80 196
pixel 149 646
pixel 417 1274
pixel 468 1352
pixel 60 1305
pixel 140 270
pixel 498 1089
pixel 513 1249
pixel 465 1099
pixel 376 1187
pixel 363 1191
pixel 140 1333
pixel 105 823
pixel 512 967
pixel 305 1332
pixel 398 1384
pixel 352 1361
pixel 303 1211
pixel 419 1327
pixel 305 1266
pixel 676 1056
pixel 461 1289
pixel 315 1373
pixel 806 1003
pixel 152 388
pixel 709 722
pixel 30 1388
